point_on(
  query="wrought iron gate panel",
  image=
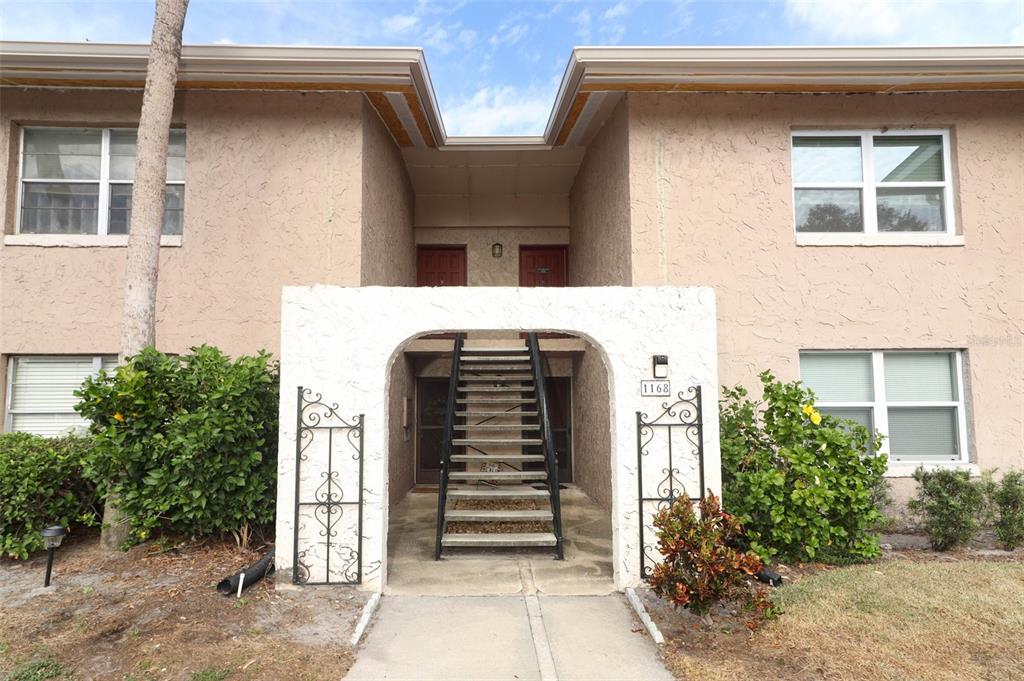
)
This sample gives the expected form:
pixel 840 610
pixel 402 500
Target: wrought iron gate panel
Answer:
pixel 328 530
pixel 670 464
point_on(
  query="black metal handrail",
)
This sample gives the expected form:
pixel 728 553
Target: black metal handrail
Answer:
pixel 550 461
pixel 446 446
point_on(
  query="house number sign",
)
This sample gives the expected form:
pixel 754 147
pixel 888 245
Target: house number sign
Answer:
pixel 655 388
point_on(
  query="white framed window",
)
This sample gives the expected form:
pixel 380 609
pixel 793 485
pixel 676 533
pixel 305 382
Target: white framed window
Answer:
pixel 41 391
pixel 79 181
pixel 915 398
pixel 873 183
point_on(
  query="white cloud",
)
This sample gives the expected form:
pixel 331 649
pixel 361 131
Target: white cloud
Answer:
pixel 399 23
pixel 466 38
pixel 509 34
pixel 907 21
pixel 617 11
pixel 503 110
pixel 582 21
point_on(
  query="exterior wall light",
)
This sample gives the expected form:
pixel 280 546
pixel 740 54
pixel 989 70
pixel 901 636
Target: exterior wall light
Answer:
pixel 661 366
pixel 52 537
pixel 496 250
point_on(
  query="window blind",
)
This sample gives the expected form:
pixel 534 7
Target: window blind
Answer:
pixel 838 377
pixel 919 377
pixel 923 433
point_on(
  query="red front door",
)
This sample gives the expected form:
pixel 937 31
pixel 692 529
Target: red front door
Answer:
pixel 441 266
pixel 543 266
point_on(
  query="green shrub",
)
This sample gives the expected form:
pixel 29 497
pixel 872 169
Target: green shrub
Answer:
pixel 42 482
pixel 950 505
pixel 1008 502
pixel 187 443
pixel 804 485
pixel 701 567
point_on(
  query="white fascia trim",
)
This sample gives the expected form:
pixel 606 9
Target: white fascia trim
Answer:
pixel 888 239
pixel 805 66
pixel 905 469
pixel 81 240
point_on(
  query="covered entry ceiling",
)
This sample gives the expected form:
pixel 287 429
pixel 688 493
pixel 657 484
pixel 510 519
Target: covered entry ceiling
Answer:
pixel 493 171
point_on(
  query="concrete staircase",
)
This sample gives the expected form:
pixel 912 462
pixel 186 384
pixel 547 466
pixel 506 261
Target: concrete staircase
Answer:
pixel 498 395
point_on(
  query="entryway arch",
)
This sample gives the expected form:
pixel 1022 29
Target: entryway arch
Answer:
pixel 342 342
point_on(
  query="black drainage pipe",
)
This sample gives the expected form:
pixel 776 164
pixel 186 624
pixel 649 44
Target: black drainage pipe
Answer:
pixel 254 573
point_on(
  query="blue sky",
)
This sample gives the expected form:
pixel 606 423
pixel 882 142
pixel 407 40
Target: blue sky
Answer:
pixel 496 64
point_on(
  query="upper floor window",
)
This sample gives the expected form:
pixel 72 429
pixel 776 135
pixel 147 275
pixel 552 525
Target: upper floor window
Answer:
pixel 872 182
pixel 79 181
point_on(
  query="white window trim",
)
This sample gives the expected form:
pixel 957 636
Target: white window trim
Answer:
pixel 868 188
pixel 103 207
pixel 880 409
pixel 82 240
pixel 9 413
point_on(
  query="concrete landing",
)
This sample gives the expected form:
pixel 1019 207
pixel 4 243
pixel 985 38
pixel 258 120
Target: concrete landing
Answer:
pixel 586 570
pixel 491 638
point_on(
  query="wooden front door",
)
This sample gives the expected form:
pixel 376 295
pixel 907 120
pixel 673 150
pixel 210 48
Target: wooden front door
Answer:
pixel 441 266
pixel 543 266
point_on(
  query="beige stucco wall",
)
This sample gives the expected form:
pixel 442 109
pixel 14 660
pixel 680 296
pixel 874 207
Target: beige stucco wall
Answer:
pixel 388 248
pixel 482 268
pixel 591 440
pixel 401 438
pixel 599 208
pixel 272 198
pixel 711 204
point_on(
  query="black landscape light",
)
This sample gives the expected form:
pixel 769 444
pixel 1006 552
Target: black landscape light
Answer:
pixel 52 537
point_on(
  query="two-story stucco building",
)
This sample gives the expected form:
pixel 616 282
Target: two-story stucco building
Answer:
pixel 857 214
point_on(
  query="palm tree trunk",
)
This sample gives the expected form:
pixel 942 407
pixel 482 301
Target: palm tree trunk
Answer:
pixel 138 320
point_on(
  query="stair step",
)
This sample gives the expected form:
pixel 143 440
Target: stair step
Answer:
pixel 495 389
pixel 523 368
pixel 498 475
pixel 497 457
pixel 483 441
pixel 491 349
pixel 498 540
pixel 493 378
pixel 497 400
pixel 507 426
pixel 474 412
pixel 497 359
pixel 506 492
pixel 460 515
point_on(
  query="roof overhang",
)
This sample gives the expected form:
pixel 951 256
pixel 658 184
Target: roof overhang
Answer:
pixel 397 82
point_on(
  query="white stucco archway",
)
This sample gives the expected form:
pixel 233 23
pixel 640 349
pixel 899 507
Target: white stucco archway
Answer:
pixel 340 342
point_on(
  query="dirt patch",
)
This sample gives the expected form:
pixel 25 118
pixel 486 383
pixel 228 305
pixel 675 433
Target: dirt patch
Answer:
pixel 153 613
pixel 914 614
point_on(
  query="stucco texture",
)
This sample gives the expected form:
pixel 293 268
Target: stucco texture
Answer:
pixel 273 197
pixel 599 208
pixel 625 325
pixel 711 205
pixel 591 463
pixel 388 248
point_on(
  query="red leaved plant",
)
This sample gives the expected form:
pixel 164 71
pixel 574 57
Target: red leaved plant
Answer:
pixel 701 567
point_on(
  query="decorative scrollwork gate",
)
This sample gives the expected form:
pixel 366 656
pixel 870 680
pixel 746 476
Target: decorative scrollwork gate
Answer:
pixel 328 537
pixel 669 466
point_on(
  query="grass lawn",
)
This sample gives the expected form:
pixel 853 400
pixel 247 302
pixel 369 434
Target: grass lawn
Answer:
pixel 896 619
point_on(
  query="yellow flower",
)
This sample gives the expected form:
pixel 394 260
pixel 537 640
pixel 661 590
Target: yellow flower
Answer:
pixel 119 417
pixel 816 418
pixel 808 410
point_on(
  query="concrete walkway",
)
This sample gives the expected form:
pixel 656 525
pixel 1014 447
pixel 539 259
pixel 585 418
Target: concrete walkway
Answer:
pixel 525 637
